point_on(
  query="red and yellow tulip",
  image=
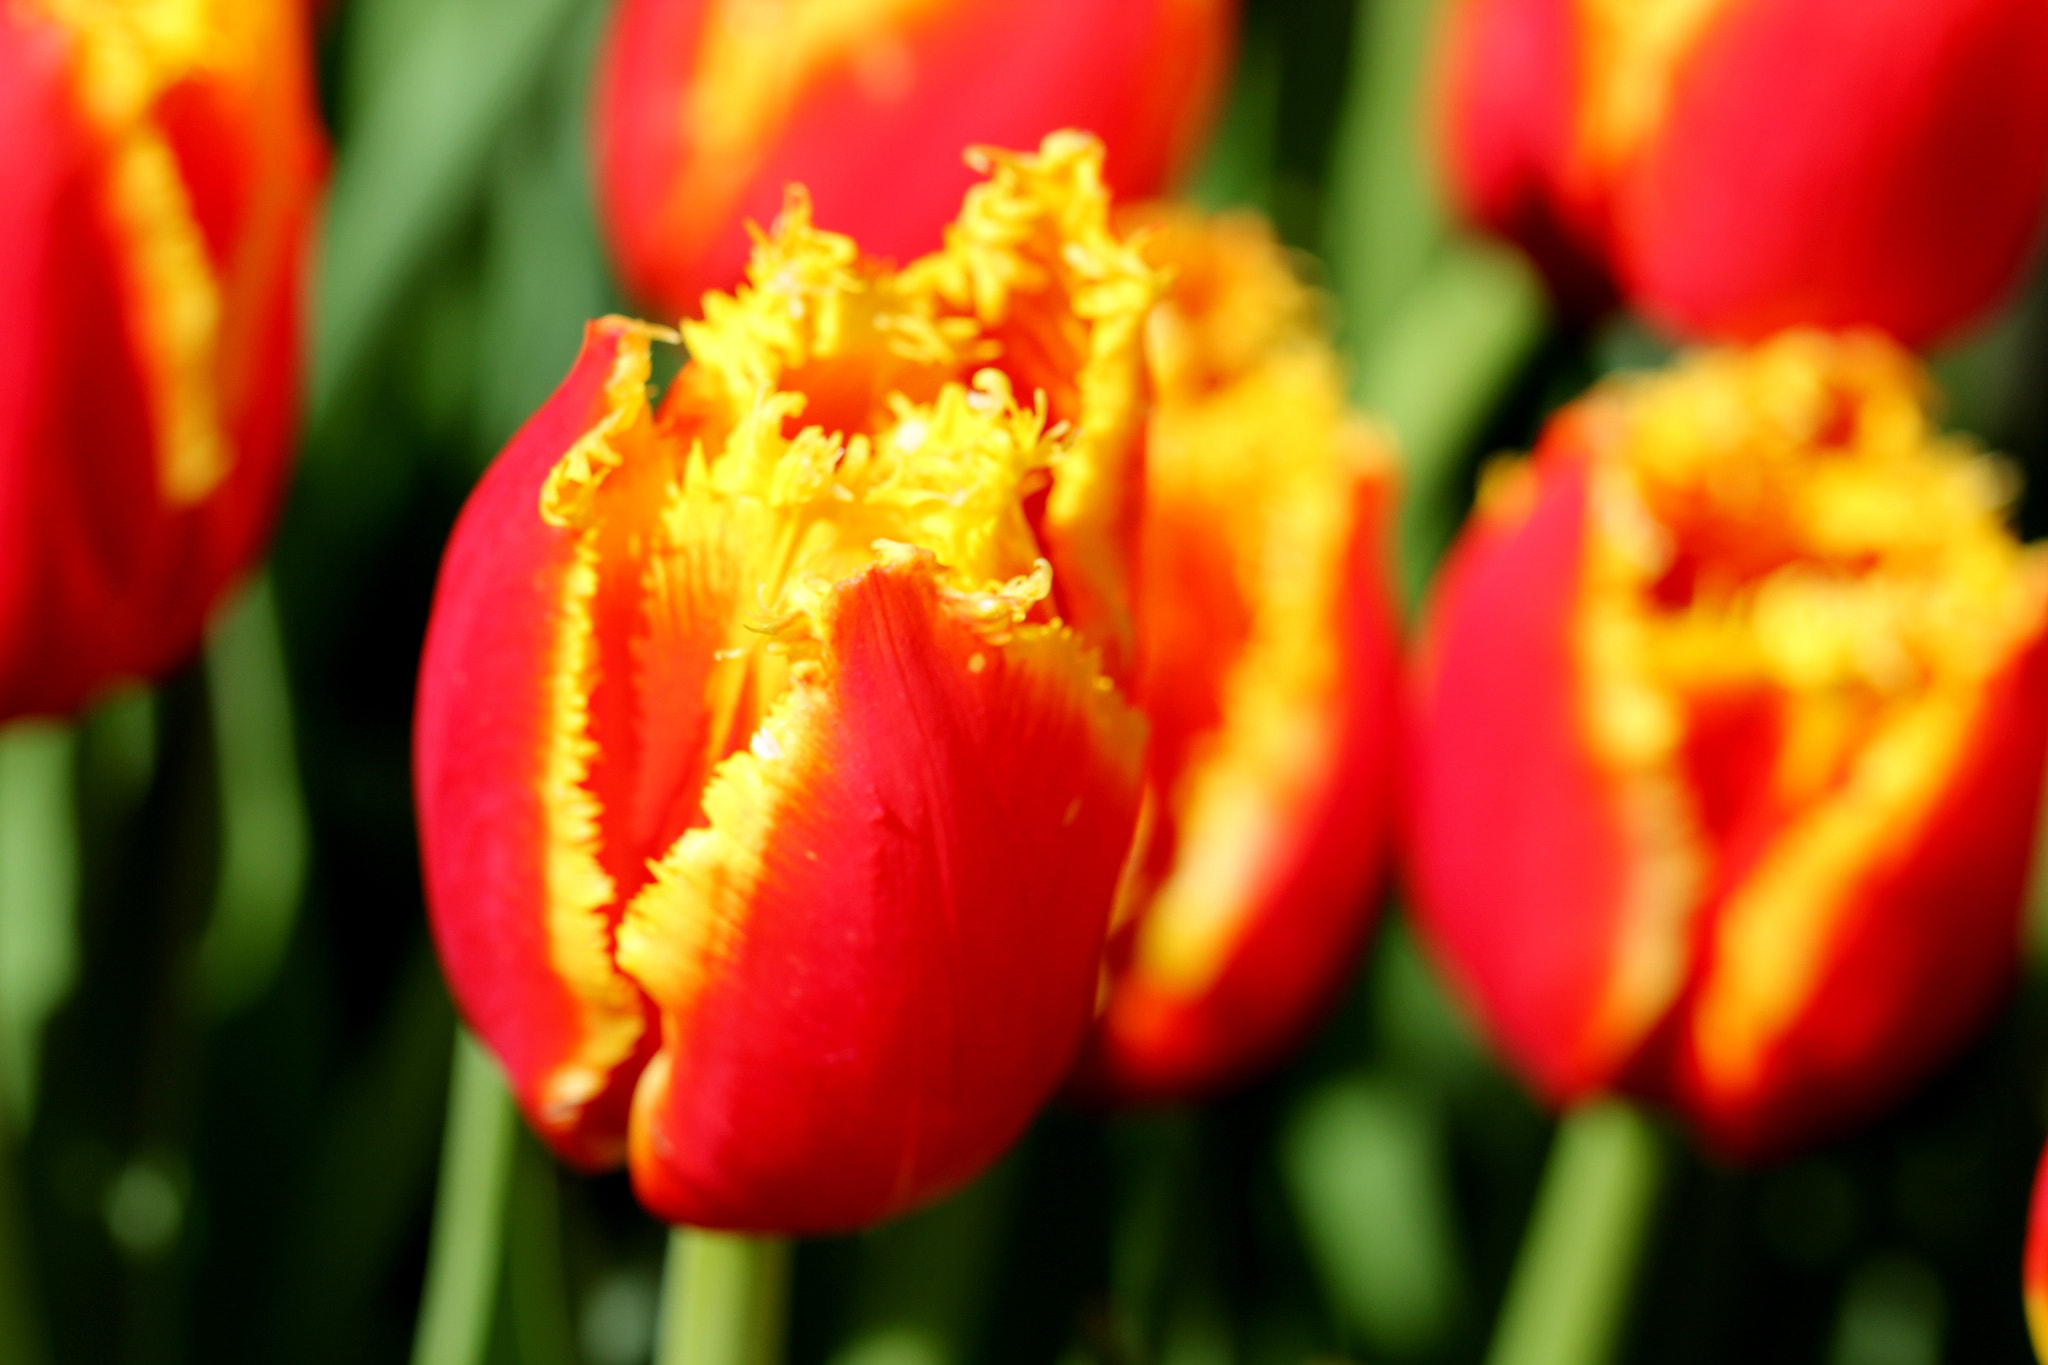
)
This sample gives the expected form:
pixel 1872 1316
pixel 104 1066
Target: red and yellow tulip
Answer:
pixel 775 776
pixel 707 108
pixel 1728 738
pixel 1734 167
pixel 161 161
pixel 1267 667
pixel 780 748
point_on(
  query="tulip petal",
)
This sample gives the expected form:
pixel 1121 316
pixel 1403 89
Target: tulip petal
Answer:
pixel 160 193
pixel 507 821
pixel 874 961
pixel 1519 847
pixel 1267 668
pixel 1884 927
pixel 843 98
pixel 1735 167
pixel 1894 177
pixel 1784 666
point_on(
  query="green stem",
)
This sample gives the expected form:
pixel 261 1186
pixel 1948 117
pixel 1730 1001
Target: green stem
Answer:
pixel 38 965
pixel 722 1299
pixel 21 1328
pixel 536 1285
pixel 469 1213
pixel 1573 1281
pixel 262 808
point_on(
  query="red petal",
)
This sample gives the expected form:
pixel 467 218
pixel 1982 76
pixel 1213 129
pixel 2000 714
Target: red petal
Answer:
pixel 102 576
pixel 1509 107
pixel 486 718
pixel 1516 856
pixel 2034 1275
pixel 880 957
pixel 1923 956
pixel 1841 162
pixel 1310 898
pixel 878 141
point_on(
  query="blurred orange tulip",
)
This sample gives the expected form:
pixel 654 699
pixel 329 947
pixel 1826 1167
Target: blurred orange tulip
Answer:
pixel 707 108
pixel 1728 741
pixel 774 769
pixel 161 163
pixel 1268 669
pixel 780 747
pixel 1734 167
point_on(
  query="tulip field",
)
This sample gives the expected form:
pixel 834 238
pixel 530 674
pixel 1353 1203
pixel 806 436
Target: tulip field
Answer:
pixel 1023 682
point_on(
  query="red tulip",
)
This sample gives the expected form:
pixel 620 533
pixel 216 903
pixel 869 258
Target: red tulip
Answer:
pixel 707 108
pixel 160 181
pixel 2034 1271
pixel 1734 167
pixel 1728 737
pixel 1267 648
pixel 774 770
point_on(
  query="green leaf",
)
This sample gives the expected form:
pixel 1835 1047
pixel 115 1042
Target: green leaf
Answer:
pixel 432 88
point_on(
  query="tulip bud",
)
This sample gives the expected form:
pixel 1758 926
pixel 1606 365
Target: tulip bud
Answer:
pixel 161 162
pixel 775 770
pixel 1267 669
pixel 1734 167
pixel 1728 738
pixel 707 108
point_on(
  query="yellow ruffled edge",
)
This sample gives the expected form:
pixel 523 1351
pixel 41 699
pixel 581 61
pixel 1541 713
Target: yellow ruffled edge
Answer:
pixel 945 480
pixel 1883 670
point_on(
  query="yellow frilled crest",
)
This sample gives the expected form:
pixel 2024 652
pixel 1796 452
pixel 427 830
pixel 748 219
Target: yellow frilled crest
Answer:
pixel 854 404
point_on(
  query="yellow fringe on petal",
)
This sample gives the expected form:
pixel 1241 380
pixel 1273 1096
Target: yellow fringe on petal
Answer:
pixel 1251 440
pixel 1782 527
pixel 837 416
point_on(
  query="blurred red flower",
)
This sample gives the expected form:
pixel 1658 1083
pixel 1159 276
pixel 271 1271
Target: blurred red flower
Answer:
pixel 780 749
pixel 162 162
pixel 1728 739
pixel 1268 667
pixel 1734 167
pixel 707 108
pixel 774 775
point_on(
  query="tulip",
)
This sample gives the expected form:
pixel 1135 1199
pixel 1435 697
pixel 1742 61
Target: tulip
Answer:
pixel 1267 668
pixel 1737 168
pixel 706 108
pixel 1727 740
pixel 2034 1268
pixel 775 767
pixel 161 165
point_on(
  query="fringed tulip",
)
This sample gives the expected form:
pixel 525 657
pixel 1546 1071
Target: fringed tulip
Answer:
pixel 1728 736
pixel 1734 167
pixel 1267 668
pixel 775 769
pixel 707 108
pixel 161 161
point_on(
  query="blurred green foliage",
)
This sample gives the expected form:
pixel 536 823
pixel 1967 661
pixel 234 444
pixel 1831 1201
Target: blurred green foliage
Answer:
pixel 224 1046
